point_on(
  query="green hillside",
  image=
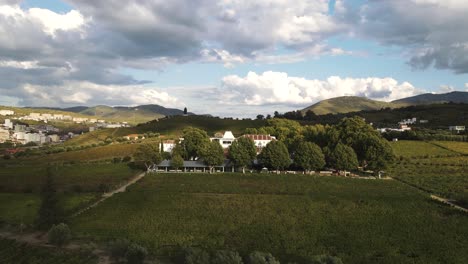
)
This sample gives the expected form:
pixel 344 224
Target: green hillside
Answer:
pixel 346 104
pixel 455 97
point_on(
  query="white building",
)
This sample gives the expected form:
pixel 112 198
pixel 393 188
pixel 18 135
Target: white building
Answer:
pixel 6 112
pixel 53 138
pixel 408 121
pixel 168 145
pixel 260 141
pixel 8 124
pixel 20 128
pixel 458 129
pixel 226 140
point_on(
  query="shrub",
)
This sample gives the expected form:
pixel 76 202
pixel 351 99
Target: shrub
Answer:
pixel 7 156
pixel 59 235
pixel 127 159
pixel 326 259
pixel 118 248
pixel 196 256
pixel 226 257
pixel 116 160
pixel 136 254
pixel 262 258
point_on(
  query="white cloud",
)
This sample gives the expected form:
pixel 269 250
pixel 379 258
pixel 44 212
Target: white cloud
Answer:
pixel 86 93
pixel 52 21
pixel 279 88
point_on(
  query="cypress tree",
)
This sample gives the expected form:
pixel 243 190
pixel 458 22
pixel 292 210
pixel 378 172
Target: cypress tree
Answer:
pixel 49 213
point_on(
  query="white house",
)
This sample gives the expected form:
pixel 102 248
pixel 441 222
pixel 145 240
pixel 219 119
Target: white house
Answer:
pixel 168 145
pixel 6 112
pixel 457 128
pixel 8 124
pixel 226 140
pixel 260 141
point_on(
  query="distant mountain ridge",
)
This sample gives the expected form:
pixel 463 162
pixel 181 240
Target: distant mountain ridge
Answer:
pixel 347 104
pixel 136 114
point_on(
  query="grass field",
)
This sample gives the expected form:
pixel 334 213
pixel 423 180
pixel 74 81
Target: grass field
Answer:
pixel 77 177
pixel 12 252
pixel 20 208
pixel 292 216
pixel 438 167
pixel 413 149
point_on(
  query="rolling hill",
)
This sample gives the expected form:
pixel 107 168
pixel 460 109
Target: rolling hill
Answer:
pixel 428 98
pixel 347 104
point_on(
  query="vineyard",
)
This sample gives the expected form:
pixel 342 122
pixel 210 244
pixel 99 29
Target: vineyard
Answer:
pixel 413 149
pixel 12 252
pixel 292 216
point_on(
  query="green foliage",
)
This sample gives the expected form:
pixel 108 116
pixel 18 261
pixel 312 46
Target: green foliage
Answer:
pixel 212 154
pixel 287 215
pixel 13 252
pixel 148 154
pixel 118 248
pixel 195 141
pixel 309 156
pixel 262 258
pixel 59 235
pixel 196 256
pixel 177 161
pixel 342 157
pixel 377 152
pixel 275 155
pixel 226 257
pixel 50 212
pixel 136 254
pixel 326 259
pixel 242 152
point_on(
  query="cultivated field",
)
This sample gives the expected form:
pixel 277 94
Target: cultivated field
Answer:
pixel 292 216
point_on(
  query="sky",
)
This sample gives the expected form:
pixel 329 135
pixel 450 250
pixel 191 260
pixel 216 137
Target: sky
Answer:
pixel 235 58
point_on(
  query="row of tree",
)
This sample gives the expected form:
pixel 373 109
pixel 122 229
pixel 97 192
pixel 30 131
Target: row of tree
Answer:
pixel 344 147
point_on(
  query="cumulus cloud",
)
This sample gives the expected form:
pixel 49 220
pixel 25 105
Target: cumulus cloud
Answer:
pixel 431 32
pixel 279 88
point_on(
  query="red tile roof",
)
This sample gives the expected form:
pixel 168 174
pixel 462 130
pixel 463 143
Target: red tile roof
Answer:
pixel 259 137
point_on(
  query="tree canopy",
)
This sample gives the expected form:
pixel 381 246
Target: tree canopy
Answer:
pixel 275 155
pixel 177 161
pixel 194 141
pixel 242 152
pixel 309 156
pixel 342 157
pixel 212 154
pixel 148 154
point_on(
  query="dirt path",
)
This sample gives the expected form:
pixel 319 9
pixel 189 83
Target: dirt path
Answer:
pixel 111 193
pixel 448 202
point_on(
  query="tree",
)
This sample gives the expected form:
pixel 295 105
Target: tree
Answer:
pixel 59 235
pixel 226 257
pixel 185 110
pixel 212 154
pixel 177 161
pixel 262 258
pixel 194 142
pixel 148 154
pixel 196 256
pixel 49 213
pixel 260 117
pixel 309 156
pixel 377 153
pixel 275 155
pixel 136 254
pixel 326 259
pixel 242 152
pixel 343 157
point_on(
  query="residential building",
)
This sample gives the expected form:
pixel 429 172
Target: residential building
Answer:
pixel 225 140
pixel 8 124
pixel 260 141
pixel 458 129
pixel 6 112
pixel 53 138
pixel 168 145
pixel 20 128
pixel 4 135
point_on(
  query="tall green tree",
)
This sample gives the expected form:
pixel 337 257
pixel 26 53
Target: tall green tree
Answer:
pixel 50 213
pixel 194 142
pixel 309 156
pixel 242 152
pixel 212 154
pixel 148 154
pixel 177 162
pixel 275 155
pixel 343 158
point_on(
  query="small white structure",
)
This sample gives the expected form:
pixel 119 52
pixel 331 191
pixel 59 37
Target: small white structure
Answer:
pixel 20 128
pixel 458 129
pixel 408 121
pixel 260 141
pixel 53 138
pixel 226 140
pixel 6 112
pixel 8 124
pixel 168 146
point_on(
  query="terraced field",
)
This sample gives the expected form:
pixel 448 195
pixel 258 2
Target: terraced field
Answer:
pixel 292 216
